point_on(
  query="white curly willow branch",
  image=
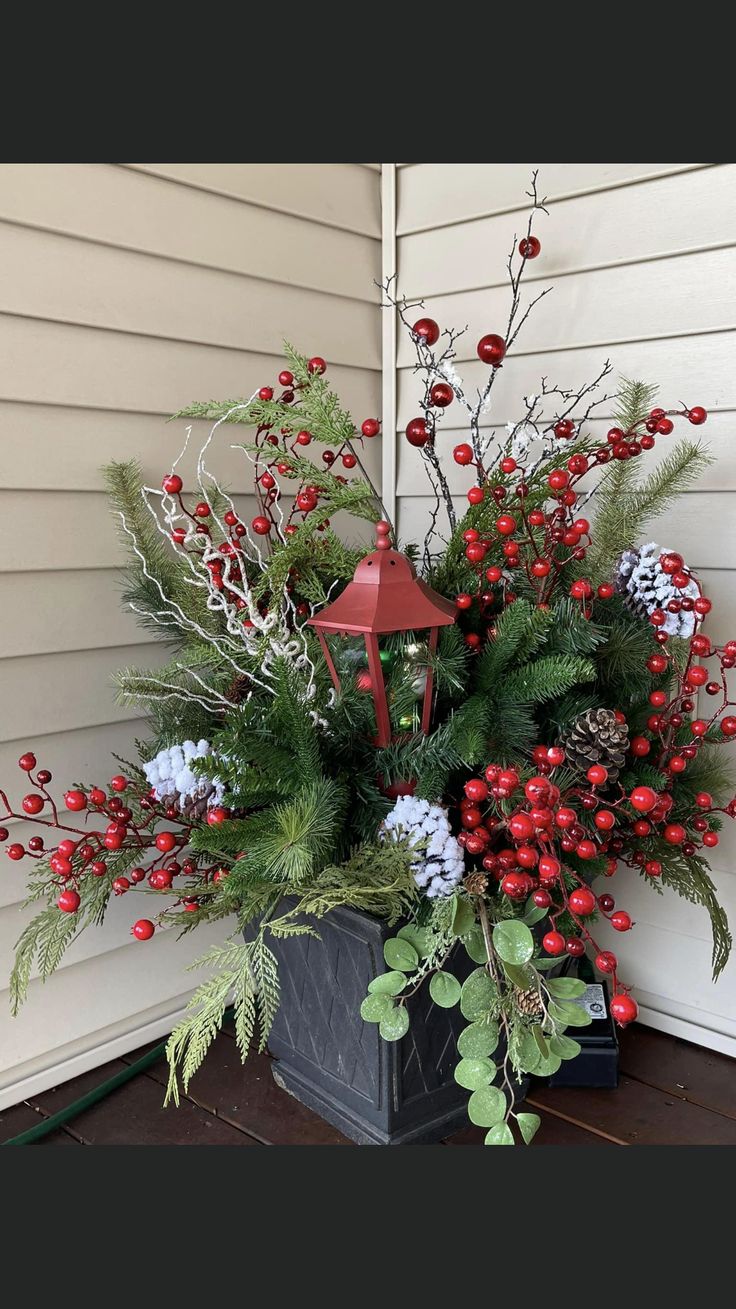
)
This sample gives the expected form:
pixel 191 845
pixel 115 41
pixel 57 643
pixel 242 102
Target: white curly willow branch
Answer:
pixel 276 635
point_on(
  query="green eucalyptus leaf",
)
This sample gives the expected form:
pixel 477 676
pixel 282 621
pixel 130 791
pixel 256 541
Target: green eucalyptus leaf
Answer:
pixel 387 984
pixel 376 1007
pixel 568 1014
pixel 529 1125
pixel 418 937
pixel 499 1135
pixel 479 993
pixel 400 955
pixel 475 1073
pixel 564 1046
pixel 521 977
pixel 538 1035
pixel 513 942
pixel 478 1040
pixel 445 990
pixel 544 964
pixel 565 988
pixel 547 1067
pixel 463 918
pixel 487 1106
pixel 476 946
pixel 528 1053
pixel 395 1024
pixel 534 915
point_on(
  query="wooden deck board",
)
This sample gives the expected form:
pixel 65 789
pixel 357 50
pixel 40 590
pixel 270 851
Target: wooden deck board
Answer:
pixel 670 1093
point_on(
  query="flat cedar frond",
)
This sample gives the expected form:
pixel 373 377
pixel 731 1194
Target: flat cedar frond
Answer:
pixel 547 677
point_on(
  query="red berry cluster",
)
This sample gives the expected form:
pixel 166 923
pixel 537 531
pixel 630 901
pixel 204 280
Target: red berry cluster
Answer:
pixel 546 539
pixel 83 853
pixel 274 450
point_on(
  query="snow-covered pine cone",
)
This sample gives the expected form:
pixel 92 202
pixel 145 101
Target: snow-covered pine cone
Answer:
pixel 596 737
pixel 642 582
pixel 174 782
pixel 440 863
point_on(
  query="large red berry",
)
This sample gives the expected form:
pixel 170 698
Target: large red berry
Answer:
pixel 624 1009
pixel 697 415
pixel 261 526
pixel 529 247
pixel 165 841
pixel 476 790
pixel 462 454
pixel 216 816
pixel 172 484
pixel 643 798
pixel 27 762
pixel 506 525
pixel 75 800
pixel 15 851
pixel 68 902
pixel 674 833
pixel 606 961
pixel 143 930
pixel 582 901
pixel 554 943
pixel 442 394
pixel 371 427
pixel 621 921
pixel 32 804
pixel 542 899
pixel 317 365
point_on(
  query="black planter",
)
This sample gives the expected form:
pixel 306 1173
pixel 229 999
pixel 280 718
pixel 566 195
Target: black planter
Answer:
pixel 376 1092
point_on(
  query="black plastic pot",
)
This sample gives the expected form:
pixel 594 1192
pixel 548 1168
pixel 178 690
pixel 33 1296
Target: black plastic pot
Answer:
pixel 376 1092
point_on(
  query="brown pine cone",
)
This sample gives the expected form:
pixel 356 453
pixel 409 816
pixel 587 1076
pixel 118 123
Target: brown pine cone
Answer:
pixel 476 883
pixel 596 737
pixel 528 1002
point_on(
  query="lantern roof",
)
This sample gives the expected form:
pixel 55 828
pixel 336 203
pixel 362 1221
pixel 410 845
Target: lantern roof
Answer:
pixel 385 596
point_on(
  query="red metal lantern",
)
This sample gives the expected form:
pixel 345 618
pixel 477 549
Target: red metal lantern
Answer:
pixel 385 596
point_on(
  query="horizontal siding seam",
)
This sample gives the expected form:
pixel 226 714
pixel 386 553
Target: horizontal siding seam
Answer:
pixel 246 200
pixel 67 731
pixel 180 259
pixel 580 271
pixel 157 336
pixel 602 345
pixel 555 198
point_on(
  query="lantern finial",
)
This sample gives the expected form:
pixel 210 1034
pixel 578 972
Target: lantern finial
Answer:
pixel 383 533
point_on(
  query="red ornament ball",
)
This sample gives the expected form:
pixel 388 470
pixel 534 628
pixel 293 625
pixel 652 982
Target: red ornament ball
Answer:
pixel 417 432
pixel 529 247
pixel 442 395
pixel 624 1009
pixel 143 930
pixel 491 349
pixel 427 330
